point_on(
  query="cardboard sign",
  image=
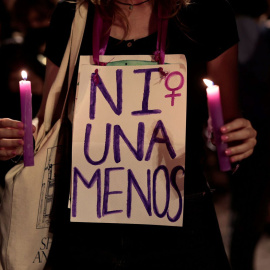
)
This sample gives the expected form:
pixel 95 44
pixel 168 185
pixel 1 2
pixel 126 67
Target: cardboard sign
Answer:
pixel 128 155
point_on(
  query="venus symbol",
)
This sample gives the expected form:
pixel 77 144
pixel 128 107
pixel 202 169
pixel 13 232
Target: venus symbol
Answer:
pixel 173 95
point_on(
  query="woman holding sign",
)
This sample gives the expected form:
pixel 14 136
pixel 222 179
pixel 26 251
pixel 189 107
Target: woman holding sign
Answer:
pixel 205 32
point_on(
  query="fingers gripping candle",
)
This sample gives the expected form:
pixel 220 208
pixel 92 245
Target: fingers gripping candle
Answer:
pixel 26 117
pixel 215 111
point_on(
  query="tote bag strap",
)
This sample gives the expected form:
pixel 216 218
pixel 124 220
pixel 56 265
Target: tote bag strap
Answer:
pixel 69 59
pixel 101 35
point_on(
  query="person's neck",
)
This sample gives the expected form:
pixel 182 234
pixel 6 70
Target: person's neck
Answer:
pixel 131 2
pixel 142 22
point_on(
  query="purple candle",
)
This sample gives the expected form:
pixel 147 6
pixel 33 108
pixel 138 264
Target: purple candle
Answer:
pixel 215 111
pixel 26 117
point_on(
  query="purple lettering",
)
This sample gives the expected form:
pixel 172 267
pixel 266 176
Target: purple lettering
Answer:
pixel 146 202
pixel 173 183
pixel 155 139
pixel 87 143
pixel 107 192
pixel 93 92
pixel 174 73
pixel 140 142
pixel 146 93
pixel 167 178
pixel 95 178
pixel 173 95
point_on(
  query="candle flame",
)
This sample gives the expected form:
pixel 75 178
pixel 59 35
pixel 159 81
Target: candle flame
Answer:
pixel 24 74
pixel 208 82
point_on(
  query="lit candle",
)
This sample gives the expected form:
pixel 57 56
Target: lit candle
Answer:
pixel 215 111
pixel 26 117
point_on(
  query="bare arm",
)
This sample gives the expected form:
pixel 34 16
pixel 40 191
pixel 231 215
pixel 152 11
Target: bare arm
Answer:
pixel 237 131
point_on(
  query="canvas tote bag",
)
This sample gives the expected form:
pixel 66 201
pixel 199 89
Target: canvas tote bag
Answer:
pixel 28 196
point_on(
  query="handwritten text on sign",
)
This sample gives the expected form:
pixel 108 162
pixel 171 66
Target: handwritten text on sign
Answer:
pixel 129 145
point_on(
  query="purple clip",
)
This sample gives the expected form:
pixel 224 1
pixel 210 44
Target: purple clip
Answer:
pixel 96 77
pixel 163 73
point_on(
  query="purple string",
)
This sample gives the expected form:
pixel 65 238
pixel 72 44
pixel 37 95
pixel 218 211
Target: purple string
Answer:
pixel 159 54
pixel 96 35
pixel 101 35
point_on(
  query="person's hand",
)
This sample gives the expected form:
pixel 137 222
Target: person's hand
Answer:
pixel 241 137
pixel 11 138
